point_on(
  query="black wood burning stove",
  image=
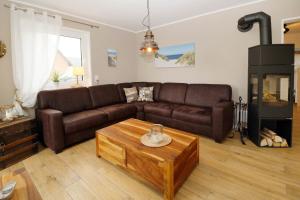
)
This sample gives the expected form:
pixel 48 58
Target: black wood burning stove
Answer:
pixel 270 82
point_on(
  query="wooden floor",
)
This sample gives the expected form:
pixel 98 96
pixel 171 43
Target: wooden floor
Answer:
pixel 226 171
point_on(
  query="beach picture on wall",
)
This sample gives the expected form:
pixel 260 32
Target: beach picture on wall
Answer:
pixel 176 56
pixel 112 57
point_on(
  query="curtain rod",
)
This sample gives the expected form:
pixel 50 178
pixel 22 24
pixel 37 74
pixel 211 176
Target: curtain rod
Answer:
pixel 40 13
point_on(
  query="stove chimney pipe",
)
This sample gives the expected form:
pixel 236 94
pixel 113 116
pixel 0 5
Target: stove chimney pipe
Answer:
pixel 246 23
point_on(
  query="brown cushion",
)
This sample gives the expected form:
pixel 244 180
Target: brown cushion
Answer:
pixel 161 109
pixel 83 120
pixel 119 111
pixel 207 94
pixel 66 100
pixel 156 89
pixel 140 105
pixel 103 95
pixel 199 115
pixel 139 84
pixel 173 92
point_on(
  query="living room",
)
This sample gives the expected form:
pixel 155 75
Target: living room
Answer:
pixel 150 100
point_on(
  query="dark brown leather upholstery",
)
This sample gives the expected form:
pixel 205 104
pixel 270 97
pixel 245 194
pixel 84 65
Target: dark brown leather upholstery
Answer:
pixel 73 115
pixel 173 92
pixel 121 87
pixel 103 95
pixel 139 84
pixel 207 94
pixel 204 130
pixel 200 115
pixel 160 108
pixel 156 89
pixel 140 105
pixel 83 120
pixel 119 111
pixel 222 116
pixel 53 129
pixel 65 100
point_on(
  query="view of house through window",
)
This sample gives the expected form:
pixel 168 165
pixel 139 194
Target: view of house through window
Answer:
pixel 70 55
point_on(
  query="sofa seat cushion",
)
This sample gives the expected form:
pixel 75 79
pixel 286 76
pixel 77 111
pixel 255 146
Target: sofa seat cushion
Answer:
pixel 200 115
pixel 83 120
pixel 160 108
pixel 119 111
pixel 140 105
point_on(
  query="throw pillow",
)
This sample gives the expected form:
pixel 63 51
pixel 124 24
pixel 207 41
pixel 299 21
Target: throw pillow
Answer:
pixel 131 94
pixel 145 94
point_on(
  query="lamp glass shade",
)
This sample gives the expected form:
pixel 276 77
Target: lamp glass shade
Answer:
pixel 149 46
pixel 78 71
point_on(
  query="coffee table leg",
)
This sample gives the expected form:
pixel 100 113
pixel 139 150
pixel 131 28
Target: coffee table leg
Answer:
pixel 97 146
pixel 169 181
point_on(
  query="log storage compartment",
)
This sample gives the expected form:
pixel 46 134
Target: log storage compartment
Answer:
pixel 277 133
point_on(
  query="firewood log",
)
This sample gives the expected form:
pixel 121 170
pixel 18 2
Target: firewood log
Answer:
pixel 269 140
pixel 263 142
pixel 269 133
pixel 278 139
pixel 276 144
pixel 266 135
pixel 274 137
pixel 284 143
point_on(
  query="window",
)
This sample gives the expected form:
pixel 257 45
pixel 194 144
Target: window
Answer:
pixel 73 51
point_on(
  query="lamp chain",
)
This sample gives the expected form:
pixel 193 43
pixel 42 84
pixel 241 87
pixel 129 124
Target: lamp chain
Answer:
pixel 147 17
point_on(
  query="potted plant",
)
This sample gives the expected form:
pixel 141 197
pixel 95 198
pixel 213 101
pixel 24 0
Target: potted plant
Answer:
pixel 55 78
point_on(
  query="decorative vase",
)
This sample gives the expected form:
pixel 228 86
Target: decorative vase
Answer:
pixel 156 132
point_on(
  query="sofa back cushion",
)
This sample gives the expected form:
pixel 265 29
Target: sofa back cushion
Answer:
pixel 66 100
pixel 156 88
pixel 207 94
pixel 139 84
pixel 173 92
pixel 103 95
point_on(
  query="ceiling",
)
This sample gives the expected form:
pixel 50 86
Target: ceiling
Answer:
pixel 127 14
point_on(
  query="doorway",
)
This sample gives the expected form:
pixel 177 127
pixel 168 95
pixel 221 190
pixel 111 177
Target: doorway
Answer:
pixel 291 35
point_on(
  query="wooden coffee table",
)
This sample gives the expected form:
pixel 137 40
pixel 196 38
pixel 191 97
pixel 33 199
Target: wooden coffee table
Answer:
pixel 165 168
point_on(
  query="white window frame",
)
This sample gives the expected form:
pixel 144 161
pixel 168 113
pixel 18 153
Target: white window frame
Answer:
pixel 84 37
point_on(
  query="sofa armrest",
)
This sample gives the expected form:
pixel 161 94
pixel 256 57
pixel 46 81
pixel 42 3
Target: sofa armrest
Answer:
pixel 53 129
pixel 222 117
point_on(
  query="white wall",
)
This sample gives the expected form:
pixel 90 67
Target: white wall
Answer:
pixel 221 50
pixel 101 39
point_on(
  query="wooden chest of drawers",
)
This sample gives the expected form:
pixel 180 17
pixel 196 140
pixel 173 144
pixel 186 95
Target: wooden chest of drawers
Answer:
pixel 18 140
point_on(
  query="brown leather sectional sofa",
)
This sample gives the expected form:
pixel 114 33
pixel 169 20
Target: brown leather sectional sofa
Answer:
pixel 69 116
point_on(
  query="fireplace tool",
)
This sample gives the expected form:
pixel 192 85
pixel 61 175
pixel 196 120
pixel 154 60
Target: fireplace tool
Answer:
pixel 240 119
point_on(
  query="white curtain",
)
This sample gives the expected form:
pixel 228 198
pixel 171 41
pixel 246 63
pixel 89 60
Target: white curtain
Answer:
pixel 34 40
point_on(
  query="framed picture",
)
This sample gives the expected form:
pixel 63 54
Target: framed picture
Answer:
pixel 182 55
pixel 112 57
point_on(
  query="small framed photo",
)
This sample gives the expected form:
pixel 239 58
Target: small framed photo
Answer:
pixel 112 57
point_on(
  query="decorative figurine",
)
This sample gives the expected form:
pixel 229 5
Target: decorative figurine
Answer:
pixel 7 191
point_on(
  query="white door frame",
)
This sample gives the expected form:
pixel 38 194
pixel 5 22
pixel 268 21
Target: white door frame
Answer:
pixel 287 20
pixel 283 21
